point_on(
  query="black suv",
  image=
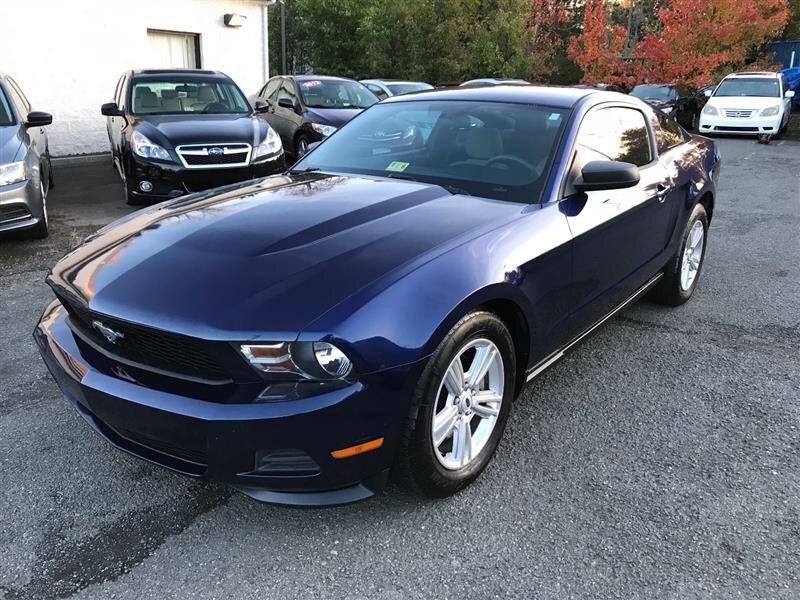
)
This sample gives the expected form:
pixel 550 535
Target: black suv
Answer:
pixel 676 100
pixel 179 131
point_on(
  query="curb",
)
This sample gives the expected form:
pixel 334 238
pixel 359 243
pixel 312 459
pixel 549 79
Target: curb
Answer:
pixel 81 159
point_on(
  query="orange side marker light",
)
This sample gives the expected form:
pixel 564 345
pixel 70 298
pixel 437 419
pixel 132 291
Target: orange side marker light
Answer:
pixel 358 449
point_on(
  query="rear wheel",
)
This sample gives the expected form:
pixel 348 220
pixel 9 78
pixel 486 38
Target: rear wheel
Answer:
pixel 683 270
pixel 461 407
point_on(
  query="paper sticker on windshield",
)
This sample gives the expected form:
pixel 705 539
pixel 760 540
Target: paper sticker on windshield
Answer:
pixel 397 166
pixel 313 83
pixel 554 117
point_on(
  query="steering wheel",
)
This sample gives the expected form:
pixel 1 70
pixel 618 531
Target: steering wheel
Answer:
pixel 215 107
pixel 509 159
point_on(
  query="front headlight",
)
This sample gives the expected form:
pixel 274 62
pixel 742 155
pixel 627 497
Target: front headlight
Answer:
pixel 142 146
pixel 12 173
pixel 771 111
pixel 298 360
pixel 325 130
pixel 271 145
pixel 710 110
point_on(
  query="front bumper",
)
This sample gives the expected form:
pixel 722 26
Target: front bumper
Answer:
pixel 739 126
pixel 20 205
pixel 170 180
pixel 202 438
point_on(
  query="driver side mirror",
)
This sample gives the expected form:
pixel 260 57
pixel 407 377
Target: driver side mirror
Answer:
pixel 789 94
pixel 707 93
pixel 607 175
pixel 286 103
pixel 261 106
pixel 110 109
pixel 38 119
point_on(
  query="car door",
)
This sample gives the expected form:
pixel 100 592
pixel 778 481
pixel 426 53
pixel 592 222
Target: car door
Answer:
pixel 269 94
pixel 114 124
pixel 619 236
pixel 290 118
pixel 37 136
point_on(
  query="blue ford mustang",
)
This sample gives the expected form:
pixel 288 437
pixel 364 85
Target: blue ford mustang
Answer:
pixel 382 304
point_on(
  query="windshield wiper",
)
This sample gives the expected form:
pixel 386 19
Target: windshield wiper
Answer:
pixel 306 170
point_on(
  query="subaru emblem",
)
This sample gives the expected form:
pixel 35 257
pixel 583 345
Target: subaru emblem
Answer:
pixel 112 336
pixel 216 151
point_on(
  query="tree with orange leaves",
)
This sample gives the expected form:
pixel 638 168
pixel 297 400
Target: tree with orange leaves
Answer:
pixel 701 40
pixel 598 49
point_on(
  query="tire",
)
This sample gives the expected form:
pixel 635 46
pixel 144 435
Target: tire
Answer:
pixel 429 468
pixel 300 147
pixel 130 199
pixel 42 229
pixel 680 278
pixel 694 121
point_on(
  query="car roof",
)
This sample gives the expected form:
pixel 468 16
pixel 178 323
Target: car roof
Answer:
pixel 394 81
pixel 179 72
pixel 765 74
pixel 318 78
pixel 557 97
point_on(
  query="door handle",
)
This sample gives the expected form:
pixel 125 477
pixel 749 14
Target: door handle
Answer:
pixel 661 192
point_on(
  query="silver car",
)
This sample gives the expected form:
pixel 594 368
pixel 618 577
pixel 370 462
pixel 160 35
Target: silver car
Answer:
pixel 25 171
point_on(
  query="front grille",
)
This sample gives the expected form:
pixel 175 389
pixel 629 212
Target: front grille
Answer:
pixel 723 128
pixel 739 113
pixel 193 455
pixel 199 156
pixel 13 213
pixel 146 347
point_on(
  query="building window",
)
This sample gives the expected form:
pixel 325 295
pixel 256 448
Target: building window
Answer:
pixel 173 50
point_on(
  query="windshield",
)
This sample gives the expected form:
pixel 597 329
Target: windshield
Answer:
pixel 654 92
pixel 756 86
pixel 335 93
pixel 398 89
pixel 177 95
pixel 490 149
pixel 6 116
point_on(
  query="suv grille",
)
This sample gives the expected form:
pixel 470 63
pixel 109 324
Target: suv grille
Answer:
pixel 146 347
pixel 199 156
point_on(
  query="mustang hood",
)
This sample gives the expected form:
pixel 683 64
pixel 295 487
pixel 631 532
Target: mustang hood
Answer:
pixel 263 260
pixel 194 128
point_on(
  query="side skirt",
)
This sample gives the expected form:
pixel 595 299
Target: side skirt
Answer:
pixel 558 354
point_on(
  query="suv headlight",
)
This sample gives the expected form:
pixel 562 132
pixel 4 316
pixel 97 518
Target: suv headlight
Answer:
pixel 771 111
pixel 298 360
pixel 271 145
pixel 710 110
pixel 142 146
pixel 324 130
pixel 12 173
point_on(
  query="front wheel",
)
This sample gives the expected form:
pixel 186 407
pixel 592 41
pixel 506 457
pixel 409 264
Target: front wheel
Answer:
pixel 683 270
pixel 301 147
pixel 693 123
pixel 460 407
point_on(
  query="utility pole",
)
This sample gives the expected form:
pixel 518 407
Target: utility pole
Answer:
pixel 283 37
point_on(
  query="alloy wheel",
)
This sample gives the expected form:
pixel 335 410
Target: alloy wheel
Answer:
pixel 43 192
pixel 468 403
pixel 692 255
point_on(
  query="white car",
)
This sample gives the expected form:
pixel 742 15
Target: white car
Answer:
pixel 383 88
pixel 748 103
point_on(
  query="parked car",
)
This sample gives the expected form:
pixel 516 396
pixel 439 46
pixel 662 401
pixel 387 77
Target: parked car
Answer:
pixel 26 174
pixel 379 304
pixel 384 88
pixel 748 103
pixel 305 109
pixel 677 100
pixel 185 130
pixel 493 81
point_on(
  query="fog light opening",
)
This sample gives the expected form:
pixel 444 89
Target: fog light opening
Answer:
pixel 145 186
pixel 358 449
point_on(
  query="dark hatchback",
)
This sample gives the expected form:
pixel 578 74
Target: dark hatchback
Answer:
pixel 305 109
pixel 383 304
pixel 180 131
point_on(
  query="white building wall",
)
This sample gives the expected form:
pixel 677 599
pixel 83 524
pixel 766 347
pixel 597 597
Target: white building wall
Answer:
pixel 68 58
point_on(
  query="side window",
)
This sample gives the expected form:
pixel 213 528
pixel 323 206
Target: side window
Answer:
pixel 287 91
pixel 617 134
pixel 18 97
pixel 377 91
pixel 671 133
pixel 271 89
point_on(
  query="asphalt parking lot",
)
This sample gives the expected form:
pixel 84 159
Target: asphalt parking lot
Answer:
pixel 659 460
